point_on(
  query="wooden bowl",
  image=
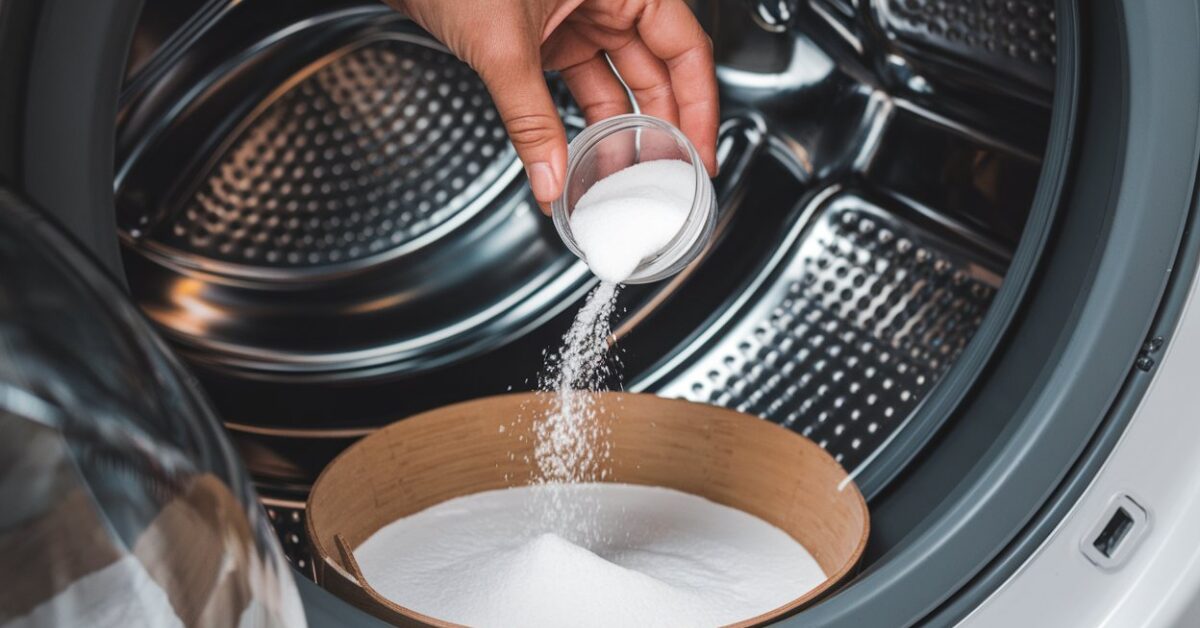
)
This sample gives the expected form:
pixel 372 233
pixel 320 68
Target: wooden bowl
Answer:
pixel 725 456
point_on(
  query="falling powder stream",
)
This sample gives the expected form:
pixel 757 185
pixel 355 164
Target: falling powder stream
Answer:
pixel 571 443
pixel 574 549
pixel 620 221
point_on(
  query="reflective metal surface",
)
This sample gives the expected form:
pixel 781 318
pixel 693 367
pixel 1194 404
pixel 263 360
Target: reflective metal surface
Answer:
pixel 362 155
pixel 333 169
pixel 1013 38
pixel 287 518
pixel 124 503
pixel 829 113
pixel 845 327
pixel 866 314
pixel 987 54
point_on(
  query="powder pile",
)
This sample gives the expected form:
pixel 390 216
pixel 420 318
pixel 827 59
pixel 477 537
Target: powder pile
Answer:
pixel 668 559
pixel 631 215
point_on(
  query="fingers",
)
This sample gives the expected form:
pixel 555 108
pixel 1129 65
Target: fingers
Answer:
pixel 596 89
pixel 519 91
pixel 672 34
pixel 600 95
pixel 648 79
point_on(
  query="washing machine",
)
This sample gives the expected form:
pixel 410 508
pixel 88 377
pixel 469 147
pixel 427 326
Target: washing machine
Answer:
pixel 957 248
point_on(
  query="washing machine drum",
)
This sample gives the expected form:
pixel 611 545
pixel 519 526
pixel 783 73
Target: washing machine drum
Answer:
pixel 348 240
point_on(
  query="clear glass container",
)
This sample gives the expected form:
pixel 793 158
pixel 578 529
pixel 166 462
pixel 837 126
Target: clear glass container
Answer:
pixel 622 141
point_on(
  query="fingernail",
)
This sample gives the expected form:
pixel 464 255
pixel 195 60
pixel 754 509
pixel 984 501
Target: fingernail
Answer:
pixel 541 179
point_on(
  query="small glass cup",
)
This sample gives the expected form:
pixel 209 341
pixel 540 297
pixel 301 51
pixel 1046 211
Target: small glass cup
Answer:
pixel 622 141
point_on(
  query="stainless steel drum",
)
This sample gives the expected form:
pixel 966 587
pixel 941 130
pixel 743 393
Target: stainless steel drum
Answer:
pixel 865 317
pixel 370 152
pixel 322 213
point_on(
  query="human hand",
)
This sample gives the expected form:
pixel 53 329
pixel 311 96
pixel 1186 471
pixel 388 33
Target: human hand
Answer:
pixel 657 46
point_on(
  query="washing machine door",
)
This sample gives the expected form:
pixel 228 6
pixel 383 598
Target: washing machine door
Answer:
pixel 124 502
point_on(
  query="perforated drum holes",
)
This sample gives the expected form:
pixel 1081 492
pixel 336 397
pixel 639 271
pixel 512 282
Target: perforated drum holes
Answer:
pixel 287 519
pixel 868 316
pixel 378 146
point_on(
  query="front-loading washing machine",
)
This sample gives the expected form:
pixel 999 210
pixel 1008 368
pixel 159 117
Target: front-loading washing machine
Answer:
pixel 956 248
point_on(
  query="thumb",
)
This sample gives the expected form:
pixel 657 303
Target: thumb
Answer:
pixel 534 126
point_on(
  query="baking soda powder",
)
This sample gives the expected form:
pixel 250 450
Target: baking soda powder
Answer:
pixel 661 558
pixel 571 442
pixel 570 550
pixel 632 215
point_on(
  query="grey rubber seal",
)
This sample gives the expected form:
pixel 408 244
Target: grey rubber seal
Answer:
pixel 63 63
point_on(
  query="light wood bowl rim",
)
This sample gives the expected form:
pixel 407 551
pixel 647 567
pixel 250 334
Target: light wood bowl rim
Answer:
pixel 352 577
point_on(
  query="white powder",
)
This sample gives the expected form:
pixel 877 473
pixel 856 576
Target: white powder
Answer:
pixel 631 215
pixel 666 559
pixel 564 446
pixel 568 550
pixel 571 444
